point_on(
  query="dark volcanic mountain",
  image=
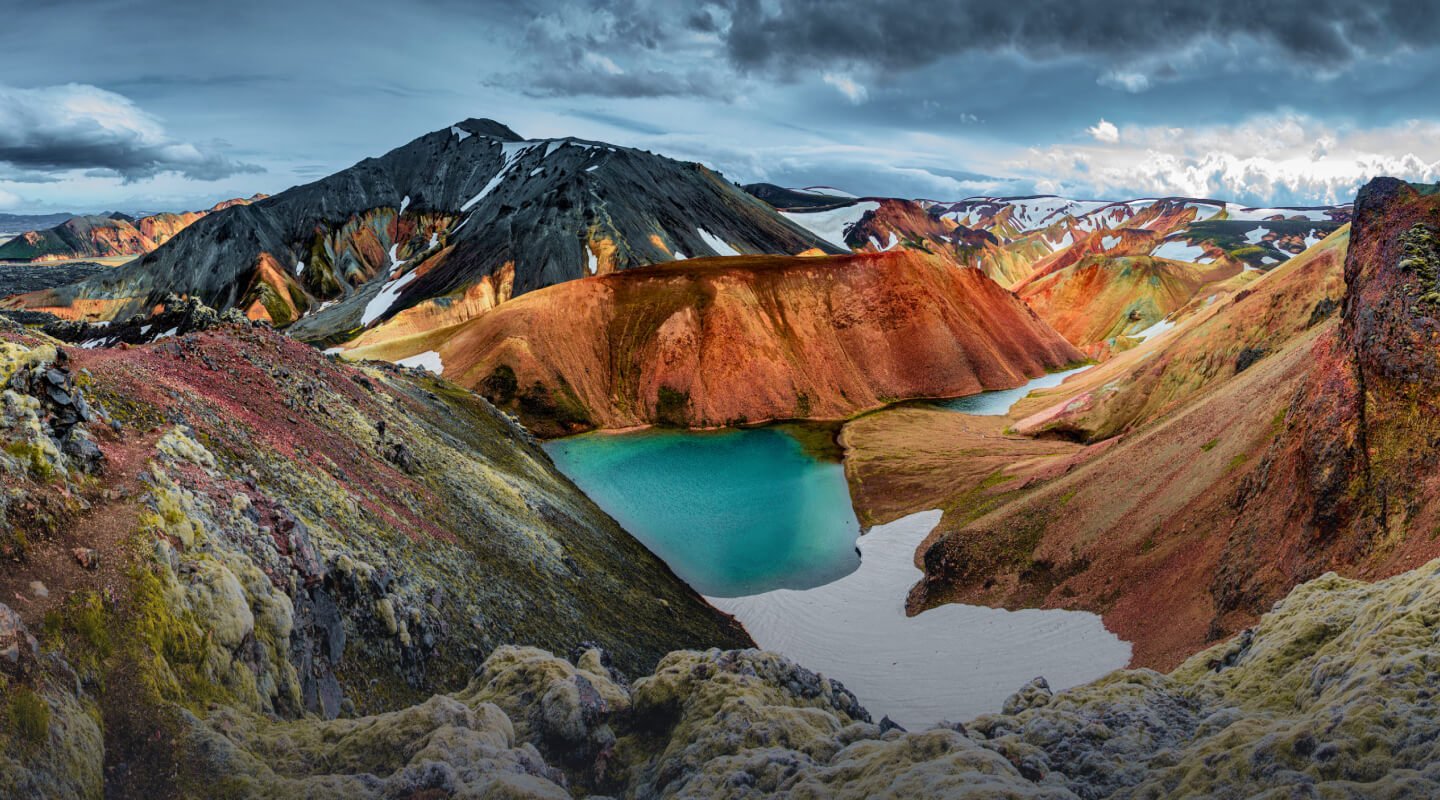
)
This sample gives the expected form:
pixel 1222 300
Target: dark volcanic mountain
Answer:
pixel 473 204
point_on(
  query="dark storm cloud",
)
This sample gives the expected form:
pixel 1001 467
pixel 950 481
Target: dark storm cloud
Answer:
pixel 890 36
pixel 78 127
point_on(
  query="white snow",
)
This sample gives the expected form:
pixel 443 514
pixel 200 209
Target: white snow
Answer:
pixel 510 152
pixel 434 239
pixel 333 351
pixel 953 662
pixel 460 132
pixel 1154 331
pixel 1262 214
pixel 720 246
pixel 381 302
pixel 427 360
pixel 1110 241
pixel 167 334
pixel 1311 239
pixel 831 225
pixel 299 267
pixel 536 171
pixel 1179 250
pixel 592 260
pixel 144 329
pixel 826 191
pixel 592 168
pixel 679 256
pixel 1256 236
pixel 404 204
pixel 553 146
pixel 1065 241
pixel 1269 260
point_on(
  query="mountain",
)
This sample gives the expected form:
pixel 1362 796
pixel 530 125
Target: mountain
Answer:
pixel 1188 483
pixel 12 224
pixel 737 340
pixel 1016 238
pixel 105 236
pixel 429 222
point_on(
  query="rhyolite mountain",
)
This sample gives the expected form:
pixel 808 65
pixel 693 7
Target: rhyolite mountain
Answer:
pixel 105 235
pixel 472 204
pixel 725 341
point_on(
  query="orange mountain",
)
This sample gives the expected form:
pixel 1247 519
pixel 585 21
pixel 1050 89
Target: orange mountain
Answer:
pixel 720 341
pixel 106 236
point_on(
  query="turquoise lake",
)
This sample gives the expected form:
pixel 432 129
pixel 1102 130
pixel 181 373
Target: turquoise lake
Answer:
pixel 734 512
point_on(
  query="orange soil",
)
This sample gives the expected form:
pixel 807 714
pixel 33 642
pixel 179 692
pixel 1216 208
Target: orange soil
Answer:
pixel 750 339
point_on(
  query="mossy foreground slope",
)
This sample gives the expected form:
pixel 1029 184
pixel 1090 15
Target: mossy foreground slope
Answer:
pixel 228 519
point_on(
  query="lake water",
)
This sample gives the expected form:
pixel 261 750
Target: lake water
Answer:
pixel 763 527
pixel 733 512
pixel 998 403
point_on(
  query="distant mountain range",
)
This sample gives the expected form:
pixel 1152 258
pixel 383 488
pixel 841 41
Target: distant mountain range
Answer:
pixel 12 224
pixel 105 235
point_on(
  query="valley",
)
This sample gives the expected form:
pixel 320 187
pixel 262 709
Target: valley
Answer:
pixel 552 468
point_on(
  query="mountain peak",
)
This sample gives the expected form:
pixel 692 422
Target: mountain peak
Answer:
pixel 488 127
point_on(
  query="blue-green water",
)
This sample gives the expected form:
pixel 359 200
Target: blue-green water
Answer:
pixel 733 512
pixel 998 403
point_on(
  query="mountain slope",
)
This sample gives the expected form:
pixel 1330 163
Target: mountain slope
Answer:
pixel 720 341
pixel 105 236
pixel 435 218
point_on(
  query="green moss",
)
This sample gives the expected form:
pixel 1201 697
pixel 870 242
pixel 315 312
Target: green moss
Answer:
pixel 1235 462
pixel 1210 445
pixel 176 643
pixel 29 716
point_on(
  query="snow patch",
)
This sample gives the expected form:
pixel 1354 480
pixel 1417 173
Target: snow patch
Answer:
pixel 429 360
pixel 381 302
pixel 592 261
pixel 510 153
pixel 1257 236
pixel 592 168
pixel 720 246
pixel 299 267
pixel 404 204
pixel 553 146
pixel 1109 241
pixel 831 225
pixel 1179 250
pixel 461 133
pixel 953 661
pixel 1154 331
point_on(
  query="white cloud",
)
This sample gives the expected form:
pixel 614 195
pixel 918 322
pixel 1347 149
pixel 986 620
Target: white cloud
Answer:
pixel 1104 131
pixel 603 63
pixel 847 86
pixel 9 200
pixel 1287 158
pixel 81 127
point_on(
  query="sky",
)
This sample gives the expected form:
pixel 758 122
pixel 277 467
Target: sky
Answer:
pixel 141 105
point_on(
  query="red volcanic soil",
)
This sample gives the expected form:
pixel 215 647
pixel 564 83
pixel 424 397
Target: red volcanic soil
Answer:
pixel 727 340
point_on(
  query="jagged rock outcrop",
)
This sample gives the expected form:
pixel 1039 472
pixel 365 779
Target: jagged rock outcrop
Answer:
pixel 720 341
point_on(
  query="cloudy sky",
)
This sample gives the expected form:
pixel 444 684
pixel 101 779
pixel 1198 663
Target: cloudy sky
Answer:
pixel 151 104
